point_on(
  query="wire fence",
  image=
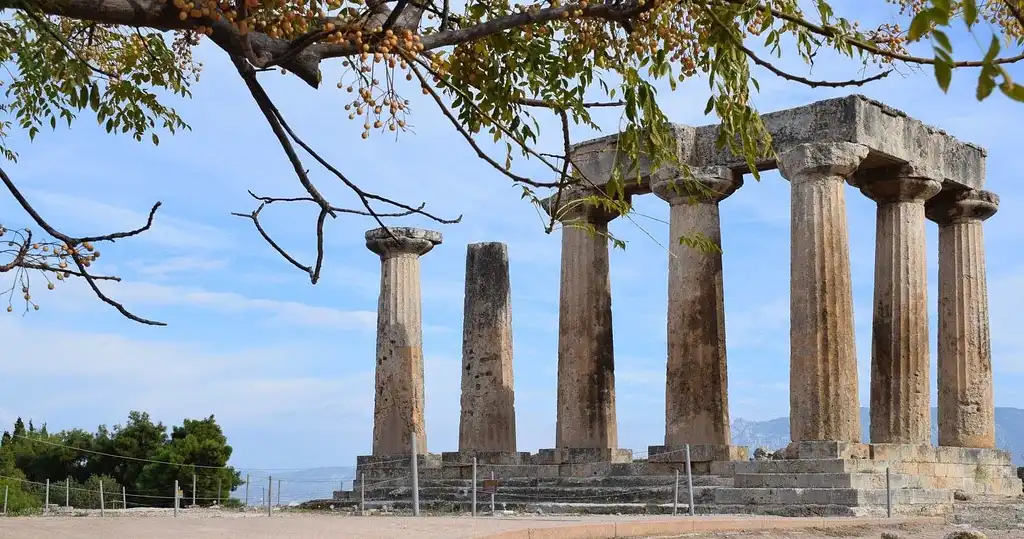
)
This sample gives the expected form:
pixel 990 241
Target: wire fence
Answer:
pixel 397 485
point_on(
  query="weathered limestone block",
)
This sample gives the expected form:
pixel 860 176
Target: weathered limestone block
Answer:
pixel 823 359
pixel 398 401
pixel 698 453
pixel 586 364
pixel 900 385
pixel 488 419
pixel 696 392
pixel 966 406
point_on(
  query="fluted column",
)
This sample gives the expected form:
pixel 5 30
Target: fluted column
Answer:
pixel 696 388
pixel 823 358
pixel 900 385
pixel 966 405
pixel 488 416
pixel 398 401
pixel 586 360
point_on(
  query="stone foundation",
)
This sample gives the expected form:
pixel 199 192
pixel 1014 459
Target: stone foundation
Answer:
pixel 818 478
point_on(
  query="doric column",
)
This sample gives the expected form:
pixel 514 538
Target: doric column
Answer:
pixel 398 401
pixel 900 386
pixel 696 388
pixel 586 361
pixel 966 407
pixel 823 358
pixel 488 418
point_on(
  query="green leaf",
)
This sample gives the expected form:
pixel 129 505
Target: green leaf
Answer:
pixel 1013 90
pixel 920 25
pixel 993 50
pixel 970 12
pixel 943 40
pixel 943 74
pixel 986 83
pixel 156 140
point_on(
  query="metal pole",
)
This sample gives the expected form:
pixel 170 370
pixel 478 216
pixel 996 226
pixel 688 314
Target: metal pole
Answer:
pixel 675 495
pixel 415 480
pixel 175 497
pixel 218 491
pixel 493 488
pixel 124 499
pixel 193 490
pixel 474 487
pixel 270 492
pixel 5 500
pixel 888 495
pixel 247 490
pixel 279 493
pixel 362 493
pixel 46 505
pixel 689 478
pixel 101 498
pixel 67 493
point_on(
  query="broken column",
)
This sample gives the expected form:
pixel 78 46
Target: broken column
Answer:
pixel 488 418
pixel 900 379
pixel 586 365
pixel 966 407
pixel 823 358
pixel 696 390
pixel 398 401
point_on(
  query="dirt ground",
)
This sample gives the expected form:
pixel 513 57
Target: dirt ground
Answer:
pixel 997 521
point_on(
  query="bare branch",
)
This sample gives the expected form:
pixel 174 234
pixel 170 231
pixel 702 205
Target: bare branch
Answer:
pixel 70 244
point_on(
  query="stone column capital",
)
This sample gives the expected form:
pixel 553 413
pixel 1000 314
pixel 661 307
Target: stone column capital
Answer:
pixel 898 188
pixel 959 206
pixel 675 187
pixel 811 161
pixel 402 241
pixel 572 206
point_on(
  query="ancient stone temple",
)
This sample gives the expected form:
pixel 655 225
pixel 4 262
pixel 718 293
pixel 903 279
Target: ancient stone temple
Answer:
pixel 826 151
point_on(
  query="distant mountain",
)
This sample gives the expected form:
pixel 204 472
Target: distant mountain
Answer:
pixel 774 433
pixel 299 485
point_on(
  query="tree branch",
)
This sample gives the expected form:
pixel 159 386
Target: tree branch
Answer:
pixel 71 245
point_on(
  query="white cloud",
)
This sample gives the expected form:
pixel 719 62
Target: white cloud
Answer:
pixel 82 216
pixel 178 265
pixel 137 295
pixel 169 379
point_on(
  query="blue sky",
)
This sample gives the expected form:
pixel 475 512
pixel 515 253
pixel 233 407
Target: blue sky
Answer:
pixel 288 367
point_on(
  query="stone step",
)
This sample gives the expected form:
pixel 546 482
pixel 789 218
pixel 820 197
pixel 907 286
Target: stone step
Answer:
pixel 659 494
pixel 570 482
pixel 825 480
pixel 802 466
pixel 830 496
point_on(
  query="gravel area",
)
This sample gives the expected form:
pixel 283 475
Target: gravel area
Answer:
pixel 997 521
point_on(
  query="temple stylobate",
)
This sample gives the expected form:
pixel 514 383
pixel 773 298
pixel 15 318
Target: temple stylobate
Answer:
pixel 912 171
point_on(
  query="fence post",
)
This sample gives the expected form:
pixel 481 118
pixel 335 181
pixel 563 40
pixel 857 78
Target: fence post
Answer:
pixel 362 493
pixel 67 493
pixel 279 493
pixel 689 478
pixel 46 504
pixel 193 490
pixel 101 498
pixel 493 488
pixel 124 499
pixel 888 495
pixel 5 500
pixel 415 479
pixel 246 491
pixel 675 495
pixel 218 491
pixel 175 497
pixel 474 487
pixel 270 493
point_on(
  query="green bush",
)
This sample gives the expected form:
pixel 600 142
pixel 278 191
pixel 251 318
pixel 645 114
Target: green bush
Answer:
pixel 19 501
